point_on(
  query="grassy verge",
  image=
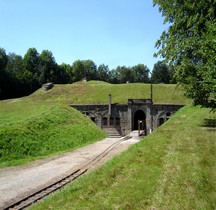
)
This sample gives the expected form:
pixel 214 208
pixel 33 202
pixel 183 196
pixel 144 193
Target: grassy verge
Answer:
pixel 173 168
pixel 46 131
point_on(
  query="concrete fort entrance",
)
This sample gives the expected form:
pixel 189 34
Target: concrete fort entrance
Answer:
pixel 123 118
pixel 139 120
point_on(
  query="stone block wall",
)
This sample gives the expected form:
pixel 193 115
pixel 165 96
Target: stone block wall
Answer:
pixel 127 117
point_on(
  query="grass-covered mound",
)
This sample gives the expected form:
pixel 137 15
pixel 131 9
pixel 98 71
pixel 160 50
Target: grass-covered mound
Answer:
pixel 46 131
pixel 43 123
pixel 173 168
pixel 94 92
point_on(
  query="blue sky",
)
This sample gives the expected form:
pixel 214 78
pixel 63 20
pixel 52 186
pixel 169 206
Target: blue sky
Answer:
pixel 110 32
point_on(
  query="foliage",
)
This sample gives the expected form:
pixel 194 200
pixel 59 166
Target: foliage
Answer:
pixel 3 75
pixel 85 69
pixel 22 76
pixel 114 76
pixel 189 45
pixel 125 74
pixel 31 68
pixel 65 74
pixel 140 73
pixel 103 73
pixel 173 168
pixel 3 59
pixel 161 74
pixel 47 68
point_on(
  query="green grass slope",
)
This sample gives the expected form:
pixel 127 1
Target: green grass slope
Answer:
pixel 43 124
pixel 56 130
pixel 173 168
pixel 28 134
pixel 94 92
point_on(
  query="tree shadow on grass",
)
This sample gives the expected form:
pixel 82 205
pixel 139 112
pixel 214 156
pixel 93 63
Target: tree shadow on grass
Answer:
pixel 209 123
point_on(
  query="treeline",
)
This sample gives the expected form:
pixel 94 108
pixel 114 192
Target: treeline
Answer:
pixel 20 76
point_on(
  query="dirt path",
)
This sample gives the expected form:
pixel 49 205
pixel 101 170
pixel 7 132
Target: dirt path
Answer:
pixel 18 182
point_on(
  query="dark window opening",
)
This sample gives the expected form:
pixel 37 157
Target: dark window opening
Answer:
pixel 93 119
pixel 117 121
pixel 105 121
pixel 168 114
pixel 161 121
pixel 111 121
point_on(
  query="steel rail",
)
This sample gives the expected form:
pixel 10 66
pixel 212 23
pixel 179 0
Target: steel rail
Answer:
pixel 30 199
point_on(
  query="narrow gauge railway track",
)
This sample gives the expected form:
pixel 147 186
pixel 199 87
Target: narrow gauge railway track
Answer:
pixel 59 184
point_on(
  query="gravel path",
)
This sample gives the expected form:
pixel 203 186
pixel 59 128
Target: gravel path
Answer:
pixel 18 182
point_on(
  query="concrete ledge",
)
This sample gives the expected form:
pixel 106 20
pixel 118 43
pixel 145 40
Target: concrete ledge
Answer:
pixel 47 86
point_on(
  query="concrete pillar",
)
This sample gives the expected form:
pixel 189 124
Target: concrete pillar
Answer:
pixel 148 117
pixel 109 108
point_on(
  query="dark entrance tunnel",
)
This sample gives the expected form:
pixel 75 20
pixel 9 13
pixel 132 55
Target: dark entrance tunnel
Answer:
pixel 139 116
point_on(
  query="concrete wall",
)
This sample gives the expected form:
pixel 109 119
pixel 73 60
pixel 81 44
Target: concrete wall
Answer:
pixel 162 112
pixel 126 117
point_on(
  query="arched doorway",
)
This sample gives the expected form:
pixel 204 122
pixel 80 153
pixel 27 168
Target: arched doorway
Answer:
pixel 139 116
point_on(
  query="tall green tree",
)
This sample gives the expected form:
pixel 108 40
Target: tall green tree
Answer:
pixel 47 67
pixel 103 73
pixel 14 65
pixel 114 77
pixel 3 74
pixel 84 69
pixel 160 73
pixel 78 70
pixel 189 45
pixel 3 59
pixel 14 69
pixel 65 73
pixel 140 73
pixel 31 64
pixel 90 69
pixel 125 74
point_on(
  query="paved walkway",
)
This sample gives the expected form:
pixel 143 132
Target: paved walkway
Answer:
pixel 18 182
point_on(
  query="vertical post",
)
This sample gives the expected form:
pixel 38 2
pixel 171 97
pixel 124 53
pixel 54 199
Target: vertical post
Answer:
pixel 109 108
pixel 138 127
pixel 151 106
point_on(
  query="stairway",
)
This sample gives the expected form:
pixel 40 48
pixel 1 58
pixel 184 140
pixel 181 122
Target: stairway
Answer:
pixel 112 132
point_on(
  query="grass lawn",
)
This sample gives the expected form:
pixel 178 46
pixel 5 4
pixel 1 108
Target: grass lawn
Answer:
pixel 94 92
pixel 172 168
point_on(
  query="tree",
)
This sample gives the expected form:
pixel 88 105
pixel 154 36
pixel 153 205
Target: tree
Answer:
pixel 47 67
pixel 3 59
pixel 160 73
pixel 31 72
pixel 65 73
pixel 78 70
pixel 14 69
pixel 189 45
pixel 84 69
pixel 90 70
pixel 114 77
pixel 31 60
pixel 103 73
pixel 14 65
pixel 125 74
pixel 3 74
pixel 140 73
